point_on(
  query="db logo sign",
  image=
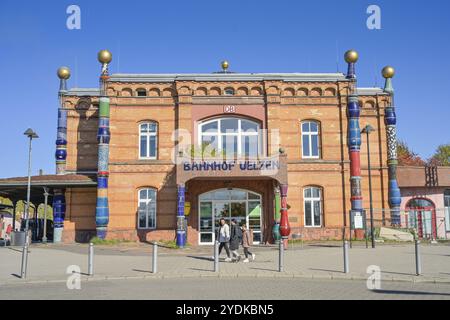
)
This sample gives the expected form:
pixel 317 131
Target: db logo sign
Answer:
pixel 229 109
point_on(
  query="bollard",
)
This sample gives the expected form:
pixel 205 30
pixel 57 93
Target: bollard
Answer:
pixel 216 256
pixel 281 256
pixel 346 262
pixel 155 257
pixel 23 271
pixel 418 261
pixel 91 260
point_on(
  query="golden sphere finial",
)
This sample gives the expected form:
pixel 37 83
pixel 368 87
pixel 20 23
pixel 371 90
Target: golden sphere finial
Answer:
pixel 351 56
pixel 388 72
pixel 104 56
pixel 63 73
pixel 225 65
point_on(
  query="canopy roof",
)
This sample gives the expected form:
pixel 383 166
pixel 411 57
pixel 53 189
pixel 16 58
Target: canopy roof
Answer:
pixel 15 189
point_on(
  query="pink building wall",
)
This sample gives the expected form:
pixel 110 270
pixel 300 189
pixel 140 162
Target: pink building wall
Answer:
pixel 436 196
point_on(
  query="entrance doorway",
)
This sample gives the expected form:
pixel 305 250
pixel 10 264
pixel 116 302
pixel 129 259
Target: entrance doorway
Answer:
pixel 242 205
pixel 422 218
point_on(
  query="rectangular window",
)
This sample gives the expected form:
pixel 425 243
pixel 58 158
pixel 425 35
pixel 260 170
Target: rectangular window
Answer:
pixel 144 150
pixel 313 207
pixel 308 214
pixel 310 140
pixel 148 140
pixel 147 209
pixel 306 146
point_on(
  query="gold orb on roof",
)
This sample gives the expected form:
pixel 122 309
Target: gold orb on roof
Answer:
pixel 388 72
pixel 63 73
pixel 104 56
pixel 225 65
pixel 351 56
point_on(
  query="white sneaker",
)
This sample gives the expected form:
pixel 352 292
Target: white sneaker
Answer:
pixel 253 257
pixel 227 260
pixel 246 261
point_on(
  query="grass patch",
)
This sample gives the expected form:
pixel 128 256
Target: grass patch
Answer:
pixel 170 244
pixel 107 242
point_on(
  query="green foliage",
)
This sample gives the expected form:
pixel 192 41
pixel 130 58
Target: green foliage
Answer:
pixel 107 242
pixel 170 244
pixel 442 156
pixel 20 209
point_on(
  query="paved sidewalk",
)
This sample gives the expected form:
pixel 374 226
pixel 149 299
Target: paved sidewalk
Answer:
pixel 321 261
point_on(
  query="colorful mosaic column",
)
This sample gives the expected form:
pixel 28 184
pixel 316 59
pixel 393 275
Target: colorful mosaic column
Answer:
pixel 390 120
pixel 59 201
pixel 354 133
pixel 277 216
pixel 285 228
pixel 59 214
pixel 61 139
pixel 103 138
pixel 181 232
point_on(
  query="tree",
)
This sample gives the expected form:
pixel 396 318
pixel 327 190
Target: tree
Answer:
pixel 441 157
pixel 407 157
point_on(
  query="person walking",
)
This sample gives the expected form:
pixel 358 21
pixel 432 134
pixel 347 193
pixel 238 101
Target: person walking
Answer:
pixel 235 240
pixel 247 241
pixel 223 236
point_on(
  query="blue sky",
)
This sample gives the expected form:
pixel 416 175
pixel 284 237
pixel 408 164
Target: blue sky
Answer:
pixel 195 35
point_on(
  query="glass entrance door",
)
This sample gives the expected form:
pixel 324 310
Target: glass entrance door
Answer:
pixel 422 218
pixel 244 206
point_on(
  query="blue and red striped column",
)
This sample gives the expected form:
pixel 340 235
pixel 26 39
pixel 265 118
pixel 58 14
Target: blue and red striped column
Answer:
pixel 390 121
pixel 354 133
pixel 103 138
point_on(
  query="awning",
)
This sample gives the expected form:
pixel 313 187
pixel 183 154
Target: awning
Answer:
pixel 15 189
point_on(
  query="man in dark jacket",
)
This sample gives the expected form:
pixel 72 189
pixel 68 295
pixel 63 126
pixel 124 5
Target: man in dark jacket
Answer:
pixel 235 240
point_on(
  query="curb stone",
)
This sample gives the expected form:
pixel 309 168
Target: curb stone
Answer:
pixel 228 276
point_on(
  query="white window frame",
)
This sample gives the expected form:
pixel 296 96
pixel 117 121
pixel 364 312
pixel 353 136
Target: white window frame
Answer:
pixel 447 211
pixel 313 200
pixel 147 202
pixel 309 135
pixel 239 134
pixel 148 135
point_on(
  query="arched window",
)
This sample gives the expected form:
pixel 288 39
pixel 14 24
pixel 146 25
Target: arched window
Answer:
pixel 312 199
pixel 422 217
pixel 310 140
pixel 148 140
pixel 230 138
pixel 147 209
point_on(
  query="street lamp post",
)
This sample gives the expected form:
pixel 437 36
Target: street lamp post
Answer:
pixel 368 130
pixel 31 135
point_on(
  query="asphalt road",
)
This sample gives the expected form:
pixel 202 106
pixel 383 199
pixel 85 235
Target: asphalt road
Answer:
pixel 238 289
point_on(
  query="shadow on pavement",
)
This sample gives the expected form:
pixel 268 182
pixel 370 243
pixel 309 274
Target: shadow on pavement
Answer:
pixel 203 270
pixel 201 258
pixel 263 269
pixel 144 271
pixel 325 270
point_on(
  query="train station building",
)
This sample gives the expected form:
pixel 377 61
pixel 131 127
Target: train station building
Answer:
pixel 162 156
